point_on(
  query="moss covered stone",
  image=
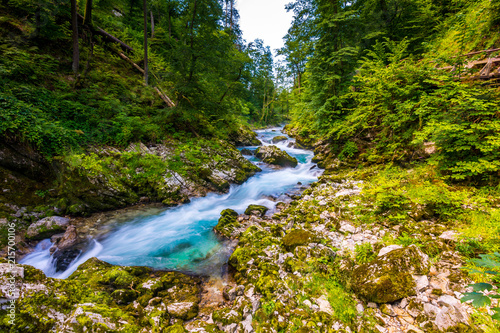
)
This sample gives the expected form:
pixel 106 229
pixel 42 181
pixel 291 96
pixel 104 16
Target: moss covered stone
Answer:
pixel 297 237
pixel 227 316
pixel 275 156
pixel 47 227
pixel 227 223
pixel 177 328
pixel 258 210
pixel 279 138
pixel 124 296
pixel 183 310
pixel 101 297
pixel 389 277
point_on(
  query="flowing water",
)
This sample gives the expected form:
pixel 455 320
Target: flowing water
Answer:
pixel 182 238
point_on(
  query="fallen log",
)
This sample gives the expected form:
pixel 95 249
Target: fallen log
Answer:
pixel 127 59
pixel 165 98
pixel 99 31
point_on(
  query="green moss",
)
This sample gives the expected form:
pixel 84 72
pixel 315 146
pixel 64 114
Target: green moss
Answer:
pixel 297 237
pixel 279 138
pixel 177 328
pixel 389 278
pixel 437 292
pixel 275 156
pixel 227 316
pixel 227 223
pixel 260 210
pixel 124 296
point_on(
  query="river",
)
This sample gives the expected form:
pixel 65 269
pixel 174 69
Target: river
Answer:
pixel 182 238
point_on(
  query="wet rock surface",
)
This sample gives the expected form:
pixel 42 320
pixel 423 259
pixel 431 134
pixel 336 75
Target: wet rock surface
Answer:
pixel 312 266
pixel 275 156
pixel 47 227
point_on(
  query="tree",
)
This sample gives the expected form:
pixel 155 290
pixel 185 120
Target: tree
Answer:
pixel 88 13
pixel 74 27
pixel 145 9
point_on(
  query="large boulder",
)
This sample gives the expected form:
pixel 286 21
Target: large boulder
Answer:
pixel 69 239
pixel 298 237
pixel 227 223
pixel 275 156
pixel 390 276
pixel 47 227
pixel 279 138
pixel 257 210
pixel 244 136
pixel 183 310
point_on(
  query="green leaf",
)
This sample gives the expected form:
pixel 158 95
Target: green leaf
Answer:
pixel 481 286
pixel 478 299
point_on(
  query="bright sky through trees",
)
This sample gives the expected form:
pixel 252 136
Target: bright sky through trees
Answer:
pixel 264 19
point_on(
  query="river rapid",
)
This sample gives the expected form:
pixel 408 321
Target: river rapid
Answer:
pixel 182 238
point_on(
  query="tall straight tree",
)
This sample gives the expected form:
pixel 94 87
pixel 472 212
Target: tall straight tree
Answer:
pixel 74 27
pixel 88 13
pixel 145 42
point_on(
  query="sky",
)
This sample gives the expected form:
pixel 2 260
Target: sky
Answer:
pixel 264 19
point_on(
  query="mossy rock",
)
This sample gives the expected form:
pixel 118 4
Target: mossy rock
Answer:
pixel 170 279
pixel 183 310
pixel 32 274
pixel 246 152
pixel 297 237
pixel 47 227
pixel 227 316
pixel 279 138
pixel 241 256
pixel 258 210
pixel 177 328
pixel 389 277
pixel 244 136
pixel 275 156
pixel 227 223
pixel 188 292
pixel 124 296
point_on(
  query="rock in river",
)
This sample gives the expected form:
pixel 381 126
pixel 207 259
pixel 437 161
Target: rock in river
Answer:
pixel 275 156
pixel 47 227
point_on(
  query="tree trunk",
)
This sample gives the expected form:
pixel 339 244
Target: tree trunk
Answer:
pixel 38 23
pixel 88 13
pixel 231 15
pixel 145 42
pixel 152 24
pixel 74 26
pixel 193 56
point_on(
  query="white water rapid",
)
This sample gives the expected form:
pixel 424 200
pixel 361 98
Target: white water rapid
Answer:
pixel 181 238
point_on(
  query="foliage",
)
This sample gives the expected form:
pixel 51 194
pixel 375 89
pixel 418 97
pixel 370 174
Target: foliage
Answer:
pixel 483 225
pixel 196 57
pixel 490 266
pixel 342 303
pixel 364 253
pixel 358 84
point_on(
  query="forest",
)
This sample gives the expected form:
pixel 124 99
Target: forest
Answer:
pixel 115 104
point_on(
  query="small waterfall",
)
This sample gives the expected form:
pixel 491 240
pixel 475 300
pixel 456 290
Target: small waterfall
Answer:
pixel 181 238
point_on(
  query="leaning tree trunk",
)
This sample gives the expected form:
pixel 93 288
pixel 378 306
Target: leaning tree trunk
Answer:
pixel 74 26
pixel 145 42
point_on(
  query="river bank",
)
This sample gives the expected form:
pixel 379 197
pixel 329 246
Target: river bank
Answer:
pixel 362 250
